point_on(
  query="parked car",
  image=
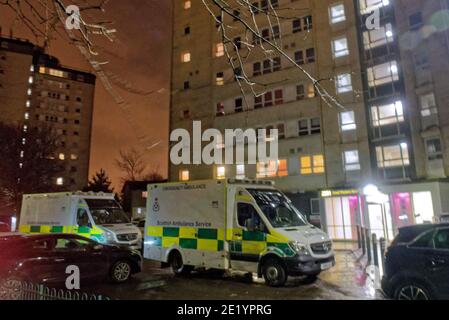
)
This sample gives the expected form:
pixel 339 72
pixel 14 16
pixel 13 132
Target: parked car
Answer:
pixel 44 259
pixel 417 263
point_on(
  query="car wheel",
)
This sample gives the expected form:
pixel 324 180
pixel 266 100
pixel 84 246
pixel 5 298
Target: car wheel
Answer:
pixel 274 273
pixel 411 290
pixel 178 266
pixel 121 271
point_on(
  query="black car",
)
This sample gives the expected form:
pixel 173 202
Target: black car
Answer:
pixel 417 264
pixel 45 258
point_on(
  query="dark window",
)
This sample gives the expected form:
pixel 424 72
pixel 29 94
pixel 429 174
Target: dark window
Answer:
pixel 268 99
pixel 248 218
pixel 310 55
pixel 415 21
pixel 238 105
pixel 258 102
pixel 299 57
pixel 277 64
pixel 441 239
pixel 186 85
pixel 82 219
pixel 279 97
pixel 267 66
pixel 423 241
pixel 296 25
pixel 238 43
pixel 257 69
pixel 187 30
pixel 308 23
pixel 276 32
pixel 300 95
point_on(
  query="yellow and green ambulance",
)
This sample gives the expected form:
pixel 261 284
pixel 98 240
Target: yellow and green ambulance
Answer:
pixel 244 225
pixel 96 216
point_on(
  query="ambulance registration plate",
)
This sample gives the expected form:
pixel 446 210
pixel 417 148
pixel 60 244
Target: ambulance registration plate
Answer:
pixel 325 266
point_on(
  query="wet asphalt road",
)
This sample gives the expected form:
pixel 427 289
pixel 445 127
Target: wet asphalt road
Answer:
pixel 340 283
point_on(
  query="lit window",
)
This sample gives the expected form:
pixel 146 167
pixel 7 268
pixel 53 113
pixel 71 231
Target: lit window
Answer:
pixel 311 91
pixel 30 80
pixel 219 50
pixel 266 169
pixel 220 79
pixel 28 103
pixel 61 156
pixel 312 164
pixel 187 4
pixel 383 74
pixel 60 181
pixel 378 37
pixel 368 6
pixel 344 83
pixel 351 160
pixel 282 168
pixel 347 121
pixel 27 116
pixel 340 47
pixel 428 105
pixel 32 68
pixel 392 156
pixel 337 13
pixel 144 194
pixel 221 172
pixel 185 57
pixel 240 170
pixel 387 114
pixel 184 175
pixel 29 92
pixel 74 156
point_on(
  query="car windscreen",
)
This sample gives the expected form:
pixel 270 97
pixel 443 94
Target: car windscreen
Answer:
pixel 277 208
pixel 105 211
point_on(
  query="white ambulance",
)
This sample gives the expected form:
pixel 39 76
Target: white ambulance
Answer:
pixel 235 224
pixel 97 216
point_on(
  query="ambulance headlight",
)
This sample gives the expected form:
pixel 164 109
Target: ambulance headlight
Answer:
pixel 109 236
pixel 299 248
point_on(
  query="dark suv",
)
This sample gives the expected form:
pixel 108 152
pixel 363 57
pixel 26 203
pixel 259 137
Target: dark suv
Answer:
pixel 417 264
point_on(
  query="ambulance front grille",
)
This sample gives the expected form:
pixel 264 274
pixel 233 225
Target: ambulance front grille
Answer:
pixel 321 248
pixel 127 237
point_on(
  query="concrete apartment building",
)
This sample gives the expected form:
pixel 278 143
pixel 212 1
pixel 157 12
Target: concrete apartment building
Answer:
pixel 380 161
pixel 35 90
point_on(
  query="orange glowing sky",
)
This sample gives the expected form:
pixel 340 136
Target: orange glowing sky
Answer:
pixel 142 57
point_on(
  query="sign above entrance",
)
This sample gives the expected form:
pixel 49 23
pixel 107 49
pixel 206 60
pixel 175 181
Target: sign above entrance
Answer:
pixel 338 193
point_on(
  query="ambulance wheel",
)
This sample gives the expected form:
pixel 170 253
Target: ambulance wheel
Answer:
pixel 274 273
pixel 178 266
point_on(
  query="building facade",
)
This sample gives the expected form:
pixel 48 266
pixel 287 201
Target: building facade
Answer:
pixel 380 160
pixel 37 91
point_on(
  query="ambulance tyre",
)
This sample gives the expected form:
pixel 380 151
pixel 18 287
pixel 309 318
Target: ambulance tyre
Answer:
pixel 177 265
pixel 274 272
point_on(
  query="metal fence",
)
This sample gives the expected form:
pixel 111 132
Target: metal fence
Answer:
pixel 17 290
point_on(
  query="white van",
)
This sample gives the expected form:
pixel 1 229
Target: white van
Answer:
pixel 93 215
pixel 236 224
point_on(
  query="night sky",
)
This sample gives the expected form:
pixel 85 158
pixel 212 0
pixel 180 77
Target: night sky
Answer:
pixel 141 57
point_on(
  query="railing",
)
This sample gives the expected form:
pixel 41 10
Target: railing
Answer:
pixel 17 290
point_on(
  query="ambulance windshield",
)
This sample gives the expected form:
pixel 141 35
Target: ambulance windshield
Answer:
pixel 105 211
pixel 278 209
